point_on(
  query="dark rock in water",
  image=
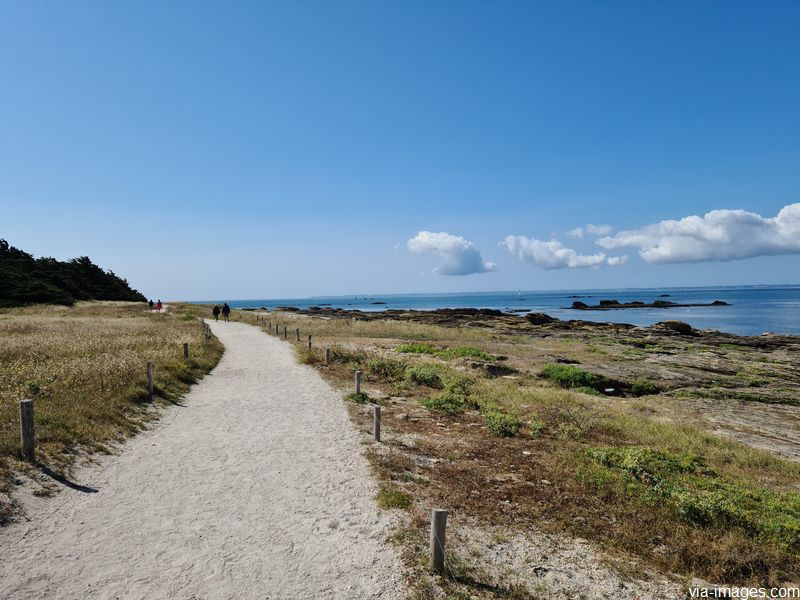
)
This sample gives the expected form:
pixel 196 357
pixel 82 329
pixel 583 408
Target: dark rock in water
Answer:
pixel 314 308
pixel 676 326
pixel 539 318
pixel 661 304
pixel 377 302
pixel 287 308
pixel 609 302
pixel 719 303
pixel 579 304
pixel 664 296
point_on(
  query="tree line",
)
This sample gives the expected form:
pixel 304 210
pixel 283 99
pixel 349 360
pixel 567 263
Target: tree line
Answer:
pixel 28 280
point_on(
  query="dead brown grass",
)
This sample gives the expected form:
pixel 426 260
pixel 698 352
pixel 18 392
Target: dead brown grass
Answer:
pixel 85 369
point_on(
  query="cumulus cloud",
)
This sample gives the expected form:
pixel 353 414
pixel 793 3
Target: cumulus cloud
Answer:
pixel 594 230
pixel 554 255
pixel 460 256
pixel 719 235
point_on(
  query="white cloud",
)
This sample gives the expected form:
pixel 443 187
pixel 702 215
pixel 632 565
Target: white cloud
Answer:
pixel 613 261
pixel 576 233
pixel 595 230
pixel 554 255
pixel 460 256
pixel 720 235
pixel 599 229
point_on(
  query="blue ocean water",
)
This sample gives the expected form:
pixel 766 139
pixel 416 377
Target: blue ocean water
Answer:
pixel 752 311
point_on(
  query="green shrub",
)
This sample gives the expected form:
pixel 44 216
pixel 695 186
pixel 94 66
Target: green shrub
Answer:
pixel 502 424
pixel 387 369
pixel 454 399
pixel 569 376
pixel 428 374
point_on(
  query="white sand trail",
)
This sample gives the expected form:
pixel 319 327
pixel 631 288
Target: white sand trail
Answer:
pixel 255 488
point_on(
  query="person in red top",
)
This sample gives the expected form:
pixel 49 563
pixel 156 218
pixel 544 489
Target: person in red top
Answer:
pixel 159 306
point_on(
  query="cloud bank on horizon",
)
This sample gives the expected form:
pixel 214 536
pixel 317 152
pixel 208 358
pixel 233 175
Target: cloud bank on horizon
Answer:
pixel 554 255
pixel 720 235
pixel 460 256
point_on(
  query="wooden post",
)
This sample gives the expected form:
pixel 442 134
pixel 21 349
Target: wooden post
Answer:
pixel 358 382
pixel 297 333
pixel 26 430
pixel 185 349
pixel 285 334
pixel 309 341
pixel 438 527
pixel 327 357
pixel 376 429
pixel 150 379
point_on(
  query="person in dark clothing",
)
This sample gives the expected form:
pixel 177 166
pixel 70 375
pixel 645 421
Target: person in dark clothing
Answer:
pixel 150 305
pixel 215 312
pixel 226 311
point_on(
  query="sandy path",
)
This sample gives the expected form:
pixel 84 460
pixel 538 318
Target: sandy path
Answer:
pixel 256 488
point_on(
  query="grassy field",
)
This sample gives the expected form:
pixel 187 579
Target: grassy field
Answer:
pixel 481 423
pixel 85 369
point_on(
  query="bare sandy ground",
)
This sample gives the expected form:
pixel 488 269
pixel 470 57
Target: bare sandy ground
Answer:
pixel 254 488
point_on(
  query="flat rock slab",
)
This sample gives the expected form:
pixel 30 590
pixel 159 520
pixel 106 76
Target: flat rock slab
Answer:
pixel 255 488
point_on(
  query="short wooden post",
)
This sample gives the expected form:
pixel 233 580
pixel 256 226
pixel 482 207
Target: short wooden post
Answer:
pixel 376 429
pixel 185 349
pixel 285 334
pixel 438 527
pixel 297 333
pixel 150 379
pixel 26 430
pixel 309 342
pixel 327 357
pixel 358 382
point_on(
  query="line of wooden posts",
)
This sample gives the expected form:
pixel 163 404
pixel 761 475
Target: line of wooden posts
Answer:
pixel 438 515
pixel 26 428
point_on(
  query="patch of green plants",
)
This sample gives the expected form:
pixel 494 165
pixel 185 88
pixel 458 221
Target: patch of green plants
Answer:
pixel 502 423
pixel 570 376
pixel 454 399
pixel 445 353
pixel 387 369
pixel 390 497
pixel 343 355
pixel 698 495
pixel 358 397
pixel 427 374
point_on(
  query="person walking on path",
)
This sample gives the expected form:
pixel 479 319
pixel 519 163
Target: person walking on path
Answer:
pixel 215 312
pixel 226 312
pixel 150 305
pixel 159 306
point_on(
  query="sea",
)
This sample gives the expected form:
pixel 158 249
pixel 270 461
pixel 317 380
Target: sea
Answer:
pixel 752 310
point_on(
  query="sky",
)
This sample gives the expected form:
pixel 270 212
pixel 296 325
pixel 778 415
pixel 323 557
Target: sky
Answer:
pixel 236 150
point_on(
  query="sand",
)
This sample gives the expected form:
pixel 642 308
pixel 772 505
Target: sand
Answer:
pixel 255 487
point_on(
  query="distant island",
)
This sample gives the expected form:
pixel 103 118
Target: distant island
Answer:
pixel 616 304
pixel 28 280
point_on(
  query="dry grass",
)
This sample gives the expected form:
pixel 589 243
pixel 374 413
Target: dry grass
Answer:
pixel 520 452
pixel 84 367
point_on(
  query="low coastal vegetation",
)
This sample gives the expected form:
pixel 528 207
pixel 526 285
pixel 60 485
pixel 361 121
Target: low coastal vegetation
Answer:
pixel 568 432
pixel 85 368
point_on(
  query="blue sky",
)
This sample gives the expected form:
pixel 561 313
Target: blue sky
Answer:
pixel 279 149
